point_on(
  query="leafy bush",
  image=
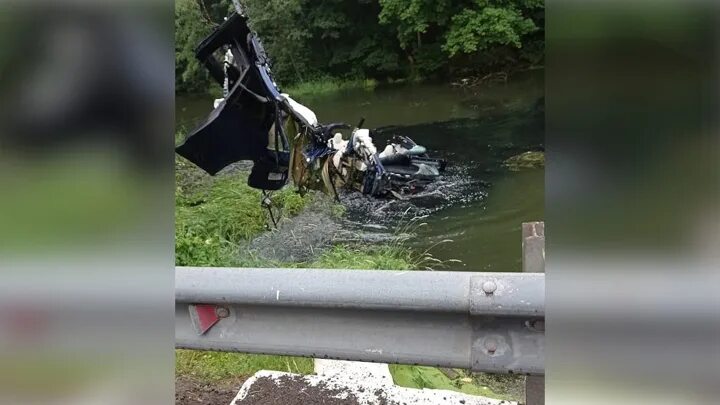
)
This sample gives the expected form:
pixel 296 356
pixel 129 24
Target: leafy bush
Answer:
pixel 190 28
pixel 477 30
pixel 311 41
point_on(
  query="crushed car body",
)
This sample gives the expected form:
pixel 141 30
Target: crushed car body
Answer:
pixel 255 121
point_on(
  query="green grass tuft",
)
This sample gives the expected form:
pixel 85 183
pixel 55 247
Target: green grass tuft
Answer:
pixel 216 366
pixel 365 258
pixel 326 85
pixel 214 216
pixel 487 385
pixel 338 210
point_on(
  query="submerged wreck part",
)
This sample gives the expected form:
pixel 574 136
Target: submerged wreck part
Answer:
pixel 401 168
pixel 283 138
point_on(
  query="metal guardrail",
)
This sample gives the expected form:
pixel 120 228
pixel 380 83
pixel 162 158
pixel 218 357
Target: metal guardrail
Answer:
pixel 492 322
pixel 533 259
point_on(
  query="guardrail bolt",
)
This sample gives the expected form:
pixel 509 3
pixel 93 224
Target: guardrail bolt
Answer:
pixel 490 346
pixel 489 287
pixel 222 312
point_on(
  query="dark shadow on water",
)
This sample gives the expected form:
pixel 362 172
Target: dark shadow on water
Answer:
pixel 475 150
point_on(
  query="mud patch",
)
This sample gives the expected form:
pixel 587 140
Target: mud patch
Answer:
pixel 289 390
pixel 190 391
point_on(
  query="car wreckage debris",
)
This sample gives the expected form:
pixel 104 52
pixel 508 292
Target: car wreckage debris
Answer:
pixel 283 138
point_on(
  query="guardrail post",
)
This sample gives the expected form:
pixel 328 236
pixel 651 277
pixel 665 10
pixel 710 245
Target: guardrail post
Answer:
pixel 533 254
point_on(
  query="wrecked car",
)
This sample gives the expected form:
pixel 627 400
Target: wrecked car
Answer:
pixel 255 121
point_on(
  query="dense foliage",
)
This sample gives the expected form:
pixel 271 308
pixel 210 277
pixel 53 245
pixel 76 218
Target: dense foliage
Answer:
pixel 378 39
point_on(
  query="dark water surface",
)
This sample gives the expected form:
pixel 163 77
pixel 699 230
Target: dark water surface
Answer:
pixel 478 205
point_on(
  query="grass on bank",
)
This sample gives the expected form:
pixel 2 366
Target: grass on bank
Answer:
pixel 217 366
pixel 213 222
pixel 313 87
pixel 328 85
pixel 368 258
pixel 213 216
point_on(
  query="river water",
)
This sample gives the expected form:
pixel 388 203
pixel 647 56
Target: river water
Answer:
pixel 474 214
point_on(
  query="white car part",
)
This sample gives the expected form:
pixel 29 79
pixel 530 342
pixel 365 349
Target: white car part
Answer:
pixel 388 151
pixel 301 110
pixel 362 142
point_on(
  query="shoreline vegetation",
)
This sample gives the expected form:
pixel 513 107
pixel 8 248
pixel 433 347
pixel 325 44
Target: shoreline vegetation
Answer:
pixel 320 46
pixel 328 85
pixel 216 217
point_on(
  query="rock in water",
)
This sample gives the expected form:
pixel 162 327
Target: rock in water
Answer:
pixel 526 160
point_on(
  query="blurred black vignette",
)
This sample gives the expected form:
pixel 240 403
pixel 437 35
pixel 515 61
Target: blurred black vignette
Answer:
pixel 632 197
pixel 86 209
